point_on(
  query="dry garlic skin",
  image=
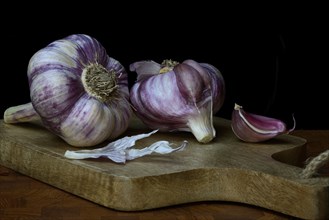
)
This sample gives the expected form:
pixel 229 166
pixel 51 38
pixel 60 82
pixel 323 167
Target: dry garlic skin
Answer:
pixel 176 96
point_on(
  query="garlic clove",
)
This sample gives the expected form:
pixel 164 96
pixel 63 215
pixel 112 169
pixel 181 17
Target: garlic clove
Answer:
pixel 250 127
pixel 20 113
pixel 145 69
pixel 186 74
pixel 201 125
pixel 217 86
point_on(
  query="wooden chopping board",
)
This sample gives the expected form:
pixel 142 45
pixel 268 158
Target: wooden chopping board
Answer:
pixel 227 169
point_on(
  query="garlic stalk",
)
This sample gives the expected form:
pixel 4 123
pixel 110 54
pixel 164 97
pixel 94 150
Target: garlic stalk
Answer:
pixel 78 91
pixel 176 96
pixel 250 127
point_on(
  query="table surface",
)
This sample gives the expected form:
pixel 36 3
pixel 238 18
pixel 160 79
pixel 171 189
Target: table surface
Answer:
pixel 22 197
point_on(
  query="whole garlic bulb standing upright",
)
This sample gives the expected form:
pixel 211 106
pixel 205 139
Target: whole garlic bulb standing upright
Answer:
pixel 78 91
pixel 176 96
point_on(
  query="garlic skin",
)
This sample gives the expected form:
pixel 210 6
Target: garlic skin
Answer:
pixel 78 91
pixel 121 150
pixel 250 127
pixel 176 96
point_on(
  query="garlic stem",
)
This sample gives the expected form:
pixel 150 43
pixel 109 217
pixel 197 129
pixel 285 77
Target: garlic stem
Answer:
pixel 201 126
pixel 20 113
pixel 167 65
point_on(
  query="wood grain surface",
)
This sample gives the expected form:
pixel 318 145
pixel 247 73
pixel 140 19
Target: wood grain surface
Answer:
pixel 171 180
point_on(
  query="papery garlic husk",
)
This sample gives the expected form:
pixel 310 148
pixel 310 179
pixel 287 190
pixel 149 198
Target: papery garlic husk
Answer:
pixel 78 91
pixel 121 150
pixel 250 127
pixel 176 96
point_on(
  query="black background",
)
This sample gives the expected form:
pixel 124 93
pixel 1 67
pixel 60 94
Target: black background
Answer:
pixel 274 67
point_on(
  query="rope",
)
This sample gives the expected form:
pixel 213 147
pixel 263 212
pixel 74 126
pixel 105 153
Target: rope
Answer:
pixel 314 164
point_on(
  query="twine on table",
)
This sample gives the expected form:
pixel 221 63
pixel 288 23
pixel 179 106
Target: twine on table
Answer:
pixel 314 164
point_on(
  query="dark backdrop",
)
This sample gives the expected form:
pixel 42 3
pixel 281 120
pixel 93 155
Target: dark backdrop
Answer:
pixel 269 70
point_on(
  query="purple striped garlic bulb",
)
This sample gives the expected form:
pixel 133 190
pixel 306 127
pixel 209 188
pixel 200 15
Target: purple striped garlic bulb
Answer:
pixel 176 96
pixel 78 91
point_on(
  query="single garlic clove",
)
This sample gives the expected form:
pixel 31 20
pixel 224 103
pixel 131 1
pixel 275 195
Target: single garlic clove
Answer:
pixel 250 127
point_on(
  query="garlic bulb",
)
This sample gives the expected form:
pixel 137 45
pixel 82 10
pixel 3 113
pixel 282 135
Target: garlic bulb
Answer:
pixel 176 96
pixel 78 91
pixel 256 128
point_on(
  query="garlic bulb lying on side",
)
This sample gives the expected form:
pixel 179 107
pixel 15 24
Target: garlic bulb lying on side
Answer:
pixel 256 128
pixel 78 91
pixel 178 96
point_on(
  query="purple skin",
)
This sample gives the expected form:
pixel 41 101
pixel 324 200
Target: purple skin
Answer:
pixel 262 129
pixel 56 88
pixel 217 85
pixel 166 101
